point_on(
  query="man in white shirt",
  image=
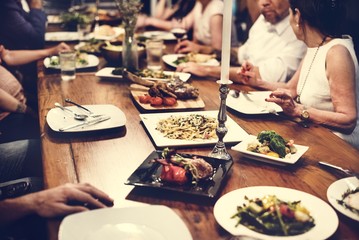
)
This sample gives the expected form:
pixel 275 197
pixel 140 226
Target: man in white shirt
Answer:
pixel 272 47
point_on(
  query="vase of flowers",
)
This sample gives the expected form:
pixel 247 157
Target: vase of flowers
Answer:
pixel 129 10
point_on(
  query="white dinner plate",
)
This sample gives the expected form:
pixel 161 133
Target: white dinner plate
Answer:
pixel 159 34
pixel 170 58
pixel 57 118
pixel 141 223
pixel 107 73
pixel 336 191
pixel 61 36
pixel 326 220
pixel 118 31
pixel 93 61
pixel 235 132
pixel 54 19
pixel 288 160
pixel 252 103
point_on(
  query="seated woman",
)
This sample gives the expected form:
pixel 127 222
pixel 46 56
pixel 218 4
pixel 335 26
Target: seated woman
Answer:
pixel 164 13
pixel 206 21
pixel 17 120
pixel 325 88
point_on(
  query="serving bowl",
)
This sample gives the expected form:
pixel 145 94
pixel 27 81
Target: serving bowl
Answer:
pixel 113 52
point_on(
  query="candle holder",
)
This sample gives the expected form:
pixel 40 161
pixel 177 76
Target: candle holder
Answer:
pixel 219 150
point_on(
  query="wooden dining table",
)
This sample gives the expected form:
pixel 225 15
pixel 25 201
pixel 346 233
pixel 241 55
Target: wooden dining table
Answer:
pixel 107 158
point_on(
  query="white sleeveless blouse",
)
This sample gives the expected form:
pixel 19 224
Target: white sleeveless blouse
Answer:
pixel 316 90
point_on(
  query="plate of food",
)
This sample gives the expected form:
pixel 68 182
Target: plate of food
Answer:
pixel 153 222
pixel 252 102
pixel 189 128
pixel 299 215
pixel 343 195
pixel 184 173
pixel 106 32
pixel 83 60
pixel 111 72
pixel 174 60
pixel 272 148
pixel 167 36
pixel 105 116
pixel 91 46
pixel 61 36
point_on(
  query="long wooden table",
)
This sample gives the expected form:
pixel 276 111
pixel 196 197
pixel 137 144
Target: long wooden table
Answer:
pixel 108 158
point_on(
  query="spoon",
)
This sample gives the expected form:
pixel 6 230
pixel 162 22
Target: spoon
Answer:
pixel 76 115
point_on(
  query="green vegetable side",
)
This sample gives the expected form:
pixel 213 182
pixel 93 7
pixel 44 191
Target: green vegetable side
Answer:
pixel 272 216
pixel 272 144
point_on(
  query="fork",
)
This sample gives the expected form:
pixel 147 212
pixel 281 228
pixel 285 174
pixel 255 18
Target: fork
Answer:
pixel 345 171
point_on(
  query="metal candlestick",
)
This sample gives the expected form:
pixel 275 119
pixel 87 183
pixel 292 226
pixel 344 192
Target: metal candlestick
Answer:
pixel 219 150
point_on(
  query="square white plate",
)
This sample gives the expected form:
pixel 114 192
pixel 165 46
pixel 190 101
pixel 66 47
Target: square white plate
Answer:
pixel 57 118
pixel 107 73
pixel 93 61
pixel 143 223
pixel 252 103
pixel 235 132
pixel 170 58
pixel 159 34
pixel 292 159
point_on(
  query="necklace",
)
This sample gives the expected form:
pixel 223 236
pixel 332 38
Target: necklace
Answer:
pixel 297 98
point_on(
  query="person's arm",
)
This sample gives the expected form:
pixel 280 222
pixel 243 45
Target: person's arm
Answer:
pixel 341 76
pixel 216 25
pixel 10 104
pixel 55 202
pixel 20 57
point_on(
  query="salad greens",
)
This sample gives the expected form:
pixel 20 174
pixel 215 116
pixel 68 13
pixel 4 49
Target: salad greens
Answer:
pixel 271 143
pixel 272 216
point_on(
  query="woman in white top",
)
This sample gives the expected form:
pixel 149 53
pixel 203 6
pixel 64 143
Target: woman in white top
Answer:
pixel 207 20
pixel 325 88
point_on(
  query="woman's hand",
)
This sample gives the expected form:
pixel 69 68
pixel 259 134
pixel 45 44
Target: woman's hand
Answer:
pixel 59 48
pixel 187 46
pixel 283 98
pixel 194 68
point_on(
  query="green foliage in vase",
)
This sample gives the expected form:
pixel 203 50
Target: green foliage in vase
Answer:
pixel 129 10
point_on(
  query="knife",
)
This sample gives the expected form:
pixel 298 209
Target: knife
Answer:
pixel 345 171
pixel 86 123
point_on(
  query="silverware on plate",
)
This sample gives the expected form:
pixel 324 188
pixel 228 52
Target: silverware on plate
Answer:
pixel 86 123
pixel 76 115
pixel 343 170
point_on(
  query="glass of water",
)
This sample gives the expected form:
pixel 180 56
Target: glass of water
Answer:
pixel 68 65
pixel 154 49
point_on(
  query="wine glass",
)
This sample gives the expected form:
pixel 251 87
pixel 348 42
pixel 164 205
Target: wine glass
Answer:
pixel 178 28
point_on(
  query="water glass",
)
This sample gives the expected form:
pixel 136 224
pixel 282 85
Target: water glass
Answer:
pixel 68 65
pixel 154 49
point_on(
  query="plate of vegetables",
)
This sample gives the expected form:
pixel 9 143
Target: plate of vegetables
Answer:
pixel 268 212
pixel 343 195
pixel 185 173
pixel 83 60
pixel 270 147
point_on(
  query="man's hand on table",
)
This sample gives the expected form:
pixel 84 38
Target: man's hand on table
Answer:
pixel 68 199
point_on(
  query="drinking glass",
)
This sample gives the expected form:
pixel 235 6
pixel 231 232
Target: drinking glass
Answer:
pixel 68 65
pixel 154 49
pixel 178 28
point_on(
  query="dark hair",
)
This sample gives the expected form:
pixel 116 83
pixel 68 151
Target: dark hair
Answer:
pixel 327 16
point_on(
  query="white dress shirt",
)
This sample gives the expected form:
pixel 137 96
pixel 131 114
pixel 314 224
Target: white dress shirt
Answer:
pixel 273 48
